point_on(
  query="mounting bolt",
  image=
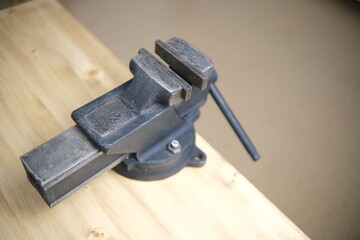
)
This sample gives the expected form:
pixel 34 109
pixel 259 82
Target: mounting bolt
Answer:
pixel 174 146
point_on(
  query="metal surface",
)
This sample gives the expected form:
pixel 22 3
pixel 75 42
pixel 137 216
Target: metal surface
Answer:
pixel 64 163
pixel 186 61
pixel 143 128
pixel 230 116
pixel 174 146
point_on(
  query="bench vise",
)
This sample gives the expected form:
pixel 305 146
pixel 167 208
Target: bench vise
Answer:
pixel 143 129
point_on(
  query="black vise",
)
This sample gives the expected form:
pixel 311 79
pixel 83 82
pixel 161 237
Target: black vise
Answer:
pixel 143 129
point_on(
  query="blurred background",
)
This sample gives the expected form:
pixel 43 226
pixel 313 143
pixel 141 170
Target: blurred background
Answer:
pixel 290 70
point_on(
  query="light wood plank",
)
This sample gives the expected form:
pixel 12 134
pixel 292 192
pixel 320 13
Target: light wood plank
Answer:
pixel 49 66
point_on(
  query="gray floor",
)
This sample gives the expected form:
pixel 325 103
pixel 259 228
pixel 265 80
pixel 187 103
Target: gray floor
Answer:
pixel 291 72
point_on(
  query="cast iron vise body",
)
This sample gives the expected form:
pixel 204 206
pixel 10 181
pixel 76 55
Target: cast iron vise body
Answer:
pixel 143 129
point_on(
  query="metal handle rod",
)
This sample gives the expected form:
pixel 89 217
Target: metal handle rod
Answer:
pixel 240 132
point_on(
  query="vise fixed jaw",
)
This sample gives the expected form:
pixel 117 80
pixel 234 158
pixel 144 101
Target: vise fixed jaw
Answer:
pixel 142 129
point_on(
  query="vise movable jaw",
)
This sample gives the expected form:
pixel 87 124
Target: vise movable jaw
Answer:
pixel 142 129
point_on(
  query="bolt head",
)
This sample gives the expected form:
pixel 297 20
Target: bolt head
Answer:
pixel 174 146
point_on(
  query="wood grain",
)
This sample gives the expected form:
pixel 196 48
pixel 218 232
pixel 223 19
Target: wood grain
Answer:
pixel 49 66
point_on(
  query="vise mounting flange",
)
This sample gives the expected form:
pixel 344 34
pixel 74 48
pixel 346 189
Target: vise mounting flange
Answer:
pixel 143 129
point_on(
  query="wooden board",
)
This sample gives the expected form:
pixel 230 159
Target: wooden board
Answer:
pixel 49 66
